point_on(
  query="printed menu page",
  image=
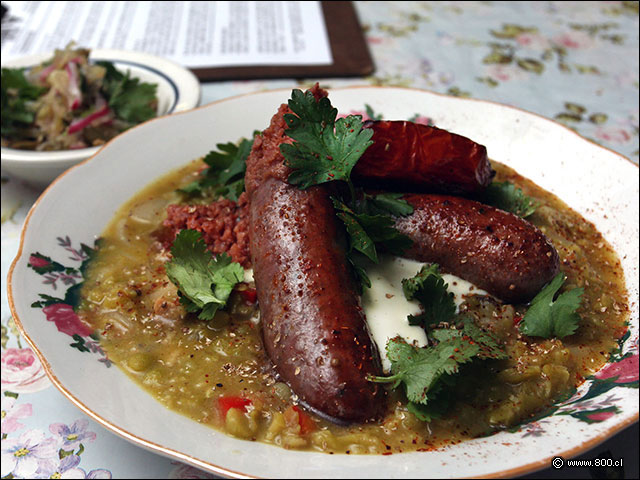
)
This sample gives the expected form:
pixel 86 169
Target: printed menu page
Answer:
pixel 194 34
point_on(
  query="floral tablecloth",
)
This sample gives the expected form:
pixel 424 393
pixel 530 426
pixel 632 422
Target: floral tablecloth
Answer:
pixel 575 62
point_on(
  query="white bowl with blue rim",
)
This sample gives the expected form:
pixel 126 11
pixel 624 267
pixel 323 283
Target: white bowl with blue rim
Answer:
pixel 178 90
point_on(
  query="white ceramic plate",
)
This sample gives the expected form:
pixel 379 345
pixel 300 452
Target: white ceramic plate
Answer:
pixel 600 184
pixel 178 91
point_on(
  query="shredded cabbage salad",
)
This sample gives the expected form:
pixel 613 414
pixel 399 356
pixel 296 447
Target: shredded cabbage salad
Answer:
pixel 69 103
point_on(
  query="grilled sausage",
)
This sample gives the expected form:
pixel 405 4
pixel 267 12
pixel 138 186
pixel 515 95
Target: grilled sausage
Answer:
pixel 495 250
pixel 408 156
pixel 313 327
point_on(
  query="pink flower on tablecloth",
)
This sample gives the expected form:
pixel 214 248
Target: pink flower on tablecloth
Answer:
pixel 422 120
pixel 66 320
pixel 505 73
pixel 12 412
pixel 22 372
pixel 362 113
pixel 533 41
pixel 38 262
pixel 24 456
pixel 612 134
pixel 626 370
pixel 72 436
pixel 574 40
pixel 600 416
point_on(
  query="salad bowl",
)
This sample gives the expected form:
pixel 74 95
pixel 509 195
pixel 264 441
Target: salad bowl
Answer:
pixel 178 90
pixel 70 215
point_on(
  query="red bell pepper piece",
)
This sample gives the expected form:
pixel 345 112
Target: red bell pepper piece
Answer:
pixel 226 403
pixel 306 424
pixel 250 295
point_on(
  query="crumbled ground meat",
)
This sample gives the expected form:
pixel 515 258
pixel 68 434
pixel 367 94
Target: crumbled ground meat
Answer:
pixel 224 226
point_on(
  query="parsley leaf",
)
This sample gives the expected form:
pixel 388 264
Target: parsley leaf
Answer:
pixel 132 100
pixel 324 149
pixel 204 282
pixel 547 317
pixel 505 196
pixel 17 92
pixel 429 288
pixel 225 175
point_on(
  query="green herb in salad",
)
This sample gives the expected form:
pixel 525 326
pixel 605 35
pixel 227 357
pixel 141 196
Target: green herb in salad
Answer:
pixel 69 102
pixel 132 100
pixel 17 95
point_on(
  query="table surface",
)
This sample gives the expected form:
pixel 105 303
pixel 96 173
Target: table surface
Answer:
pixel 575 62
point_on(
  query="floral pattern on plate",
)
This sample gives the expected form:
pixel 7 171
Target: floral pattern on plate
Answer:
pixel 62 311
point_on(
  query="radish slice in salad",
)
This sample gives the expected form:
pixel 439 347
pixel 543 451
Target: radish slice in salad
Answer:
pixel 75 95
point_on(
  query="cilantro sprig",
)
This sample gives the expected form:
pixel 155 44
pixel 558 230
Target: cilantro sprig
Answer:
pixel 506 196
pixel 428 373
pixel 17 93
pixel 366 230
pixel 550 315
pixel 132 100
pixel 204 281
pixel 425 373
pixel 326 150
pixel 430 289
pixel 225 173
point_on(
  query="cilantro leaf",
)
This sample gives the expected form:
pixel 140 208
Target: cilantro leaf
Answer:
pixel 132 100
pixel 225 174
pixel 438 405
pixel 365 231
pixel 324 149
pixel 428 373
pixel 418 369
pixel 360 273
pixel 429 288
pixel 17 93
pixel 505 196
pixel 488 345
pixel 371 113
pixel 386 204
pixel 204 282
pixel 548 317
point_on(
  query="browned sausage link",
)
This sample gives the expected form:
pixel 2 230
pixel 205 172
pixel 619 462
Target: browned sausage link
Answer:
pixel 313 327
pixel 495 250
pixel 408 156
